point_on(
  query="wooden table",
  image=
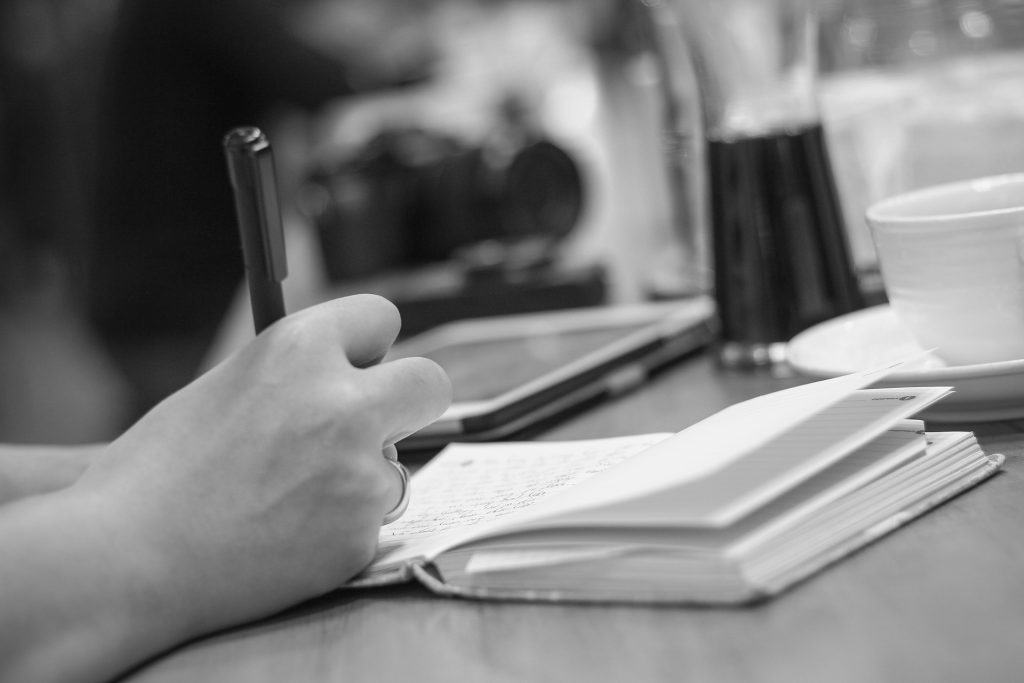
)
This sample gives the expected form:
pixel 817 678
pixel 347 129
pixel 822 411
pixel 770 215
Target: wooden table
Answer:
pixel 939 600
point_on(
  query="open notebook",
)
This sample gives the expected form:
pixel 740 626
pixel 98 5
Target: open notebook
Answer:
pixel 736 507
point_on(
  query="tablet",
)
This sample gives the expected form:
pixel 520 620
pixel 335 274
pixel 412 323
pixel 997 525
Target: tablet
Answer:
pixel 513 372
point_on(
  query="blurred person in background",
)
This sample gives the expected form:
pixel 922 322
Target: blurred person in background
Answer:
pixel 118 246
pixel 165 259
pixel 116 551
pixel 56 383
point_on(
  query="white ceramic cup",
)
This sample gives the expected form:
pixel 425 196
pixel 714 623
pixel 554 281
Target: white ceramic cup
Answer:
pixel 952 259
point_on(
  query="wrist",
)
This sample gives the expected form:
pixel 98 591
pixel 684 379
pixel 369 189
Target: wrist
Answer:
pixel 87 600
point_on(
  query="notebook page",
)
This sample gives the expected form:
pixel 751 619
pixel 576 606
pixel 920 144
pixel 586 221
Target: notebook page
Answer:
pixel 801 508
pixel 947 452
pixel 876 503
pixel 675 484
pixel 951 457
pixel 469 484
pixel 732 492
pixel 868 463
pixel 727 436
pixel 555 546
pixel 707 445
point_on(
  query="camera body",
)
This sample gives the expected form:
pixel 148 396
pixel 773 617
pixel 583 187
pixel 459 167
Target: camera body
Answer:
pixel 411 197
pixel 467 230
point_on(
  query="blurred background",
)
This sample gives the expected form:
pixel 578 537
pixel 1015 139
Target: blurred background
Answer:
pixel 462 157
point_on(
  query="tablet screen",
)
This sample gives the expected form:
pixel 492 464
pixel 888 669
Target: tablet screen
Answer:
pixel 484 369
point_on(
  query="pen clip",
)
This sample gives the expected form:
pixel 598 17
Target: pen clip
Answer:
pixel 251 167
pixel 271 225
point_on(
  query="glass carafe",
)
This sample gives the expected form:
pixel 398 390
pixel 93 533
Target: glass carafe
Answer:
pixel 781 257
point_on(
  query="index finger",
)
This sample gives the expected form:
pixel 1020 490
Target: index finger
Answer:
pixel 365 325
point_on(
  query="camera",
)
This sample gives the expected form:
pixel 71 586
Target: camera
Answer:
pixel 411 196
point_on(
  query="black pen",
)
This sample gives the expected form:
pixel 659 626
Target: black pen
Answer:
pixel 251 168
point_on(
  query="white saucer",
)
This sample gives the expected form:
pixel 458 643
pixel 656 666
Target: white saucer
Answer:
pixel 872 337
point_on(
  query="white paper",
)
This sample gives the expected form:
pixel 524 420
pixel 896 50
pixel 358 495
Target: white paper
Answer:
pixel 469 491
pixel 467 484
pixel 712 443
pixel 502 560
pixel 748 478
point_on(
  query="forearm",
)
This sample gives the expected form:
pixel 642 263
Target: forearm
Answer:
pixel 79 599
pixel 27 470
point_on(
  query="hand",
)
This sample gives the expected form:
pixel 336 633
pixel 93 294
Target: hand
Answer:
pixel 258 485
pixel 263 482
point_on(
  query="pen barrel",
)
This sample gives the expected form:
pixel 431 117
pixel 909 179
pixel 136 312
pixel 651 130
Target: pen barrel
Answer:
pixel 251 170
pixel 267 301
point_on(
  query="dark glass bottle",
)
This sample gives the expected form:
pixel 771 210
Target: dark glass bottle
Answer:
pixel 780 249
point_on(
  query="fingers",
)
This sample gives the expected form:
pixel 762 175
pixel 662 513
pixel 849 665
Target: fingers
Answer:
pixel 365 326
pixel 394 399
pixel 406 394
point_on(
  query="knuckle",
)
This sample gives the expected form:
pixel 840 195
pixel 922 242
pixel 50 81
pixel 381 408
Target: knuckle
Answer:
pixel 345 398
pixel 377 306
pixel 290 334
pixel 430 376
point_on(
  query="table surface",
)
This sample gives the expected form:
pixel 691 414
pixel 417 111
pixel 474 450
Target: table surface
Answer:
pixel 941 599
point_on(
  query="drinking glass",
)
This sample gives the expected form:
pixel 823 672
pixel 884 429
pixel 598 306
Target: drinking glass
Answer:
pixel 781 257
